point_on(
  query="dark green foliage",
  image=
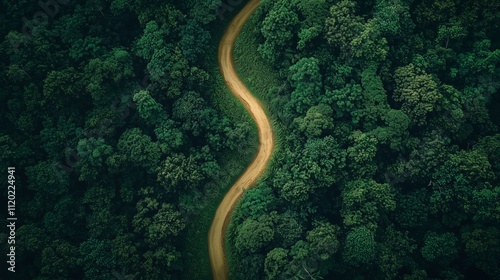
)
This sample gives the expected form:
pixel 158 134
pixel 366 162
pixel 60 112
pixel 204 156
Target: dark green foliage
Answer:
pixel 317 119
pixel 254 235
pixel 360 246
pixel 440 248
pixel 388 165
pixel 96 259
pixel 417 92
pixel 151 111
pixel 481 248
pixel 389 153
pixel 364 202
pixel 139 149
pixel 194 41
pixel 108 117
pixel 276 261
pixel 394 252
pixel 318 166
pixel 278 30
pixel 306 79
pixel 412 211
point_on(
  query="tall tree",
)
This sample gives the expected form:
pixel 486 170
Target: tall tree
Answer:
pixel 278 29
pixel 360 246
pixel 305 77
pixel 365 203
pixel 417 92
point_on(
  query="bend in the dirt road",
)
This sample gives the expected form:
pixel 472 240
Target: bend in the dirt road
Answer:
pixel 266 142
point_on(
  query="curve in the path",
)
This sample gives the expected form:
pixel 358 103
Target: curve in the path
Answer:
pixel 266 143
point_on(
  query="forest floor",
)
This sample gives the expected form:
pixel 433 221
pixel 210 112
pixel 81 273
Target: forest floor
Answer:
pixel 256 168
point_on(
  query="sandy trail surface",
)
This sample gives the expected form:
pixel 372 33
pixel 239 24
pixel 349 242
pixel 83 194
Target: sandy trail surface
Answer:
pixel 256 168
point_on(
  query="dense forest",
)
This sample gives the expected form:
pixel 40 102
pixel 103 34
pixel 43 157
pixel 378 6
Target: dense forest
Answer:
pixel 389 165
pixel 388 119
pixel 107 117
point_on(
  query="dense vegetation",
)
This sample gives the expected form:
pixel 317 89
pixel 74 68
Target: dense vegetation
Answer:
pixel 108 117
pixel 387 111
pixel 389 166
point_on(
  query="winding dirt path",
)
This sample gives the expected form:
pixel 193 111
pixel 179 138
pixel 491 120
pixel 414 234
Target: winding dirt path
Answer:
pixel 222 217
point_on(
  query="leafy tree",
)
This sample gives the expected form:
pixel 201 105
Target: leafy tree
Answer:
pixel 31 238
pixel 454 118
pixel 256 202
pixel 412 209
pixel 317 119
pixel 179 172
pixel 481 248
pixel 96 259
pixel 100 200
pixel 346 101
pixel 152 40
pixel 369 45
pixel 252 267
pixel 139 149
pixel 355 38
pixel 157 221
pixel 319 166
pixel 92 154
pixel 418 274
pixel 323 239
pixel 343 25
pixel 278 29
pixel 165 14
pixel 374 98
pixel 235 134
pixel 125 252
pixel 67 211
pixel 168 69
pixel 166 221
pixel 276 263
pixel 289 229
pixel 42 179
pixel 57 135
pixel 362 153
pixel 193 123
pixel 254 235
pixel 304 263
pixel 305 77
pixel 417 91
pixel 453 31
pixel 481 60
pixel 360 246
pixel 486 205
pixel 428 154
pixel 314 14
pixel 490 146
pixel 150 110
pixel 104 74
pixel 397 127
pixel 203 10
pixel 194 41
pixel 59 260
pixel 157 258
pixel 440 248
pixel 364 202
pixel 394 252
pixel 454 185
pixel 62 89
pixel 393 18
pixel 169 136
